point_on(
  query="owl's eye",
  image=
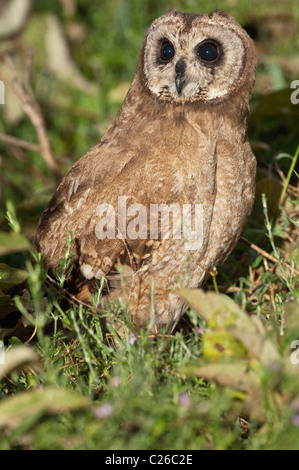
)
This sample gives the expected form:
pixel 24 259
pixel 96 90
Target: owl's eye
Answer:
pixel 208 51
pixel 166 51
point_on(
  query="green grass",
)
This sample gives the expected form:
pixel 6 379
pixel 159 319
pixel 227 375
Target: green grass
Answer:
pixel 74 385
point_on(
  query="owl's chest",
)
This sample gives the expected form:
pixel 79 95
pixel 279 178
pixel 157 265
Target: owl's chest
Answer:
pixel 219 185
pixel 233 199
pixel 213 172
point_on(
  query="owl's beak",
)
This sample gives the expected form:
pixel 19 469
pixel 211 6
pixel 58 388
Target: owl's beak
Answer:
pixel 180 78
pixel 179 83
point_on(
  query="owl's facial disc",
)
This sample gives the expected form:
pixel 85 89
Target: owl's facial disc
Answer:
pixel 199 62
pixel 183 75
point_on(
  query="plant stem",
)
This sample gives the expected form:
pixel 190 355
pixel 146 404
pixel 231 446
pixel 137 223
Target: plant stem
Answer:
pixel 291 169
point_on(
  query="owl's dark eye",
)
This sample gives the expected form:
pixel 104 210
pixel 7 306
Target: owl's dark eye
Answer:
pixel 208 51
pixel 166 51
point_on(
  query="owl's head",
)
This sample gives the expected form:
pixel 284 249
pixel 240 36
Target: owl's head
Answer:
pixel 190 57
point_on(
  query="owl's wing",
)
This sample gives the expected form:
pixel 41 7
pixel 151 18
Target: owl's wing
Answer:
pixel 97 180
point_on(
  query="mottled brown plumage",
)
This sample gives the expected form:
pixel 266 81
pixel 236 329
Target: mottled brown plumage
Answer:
pixel 180 137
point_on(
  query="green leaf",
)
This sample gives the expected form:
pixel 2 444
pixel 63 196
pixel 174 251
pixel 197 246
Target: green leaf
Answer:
pixel 11 242
pixel 221 343
pixel 232 373
pixel 222 313
pixel 237 375
pixel 10 277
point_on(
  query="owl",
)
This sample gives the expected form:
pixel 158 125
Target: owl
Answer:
pixel 163 197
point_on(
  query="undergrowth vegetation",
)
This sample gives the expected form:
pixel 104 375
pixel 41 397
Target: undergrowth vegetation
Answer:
pixel 228 376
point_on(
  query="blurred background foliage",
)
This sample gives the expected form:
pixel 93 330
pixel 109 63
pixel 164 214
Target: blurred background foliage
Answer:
pixel 85 54
pixel 85 57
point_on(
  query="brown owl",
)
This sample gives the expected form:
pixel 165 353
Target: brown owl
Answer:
pixel 165 194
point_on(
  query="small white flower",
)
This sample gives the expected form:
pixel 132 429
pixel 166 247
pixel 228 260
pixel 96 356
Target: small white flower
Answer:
pixel 104 410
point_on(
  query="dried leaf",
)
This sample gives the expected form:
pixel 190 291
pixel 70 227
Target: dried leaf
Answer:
pixel 59 58
pixel 13 17
pixel 17 358
pixel 221 312
pixel 235 374
pixel 51 400
pixel 232 373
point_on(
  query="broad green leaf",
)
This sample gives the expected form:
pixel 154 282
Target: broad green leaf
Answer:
pixel 221 312
pixel 10 277
pixel 19 357
pixel 221 343
pixel 51 400
pixel 11 242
